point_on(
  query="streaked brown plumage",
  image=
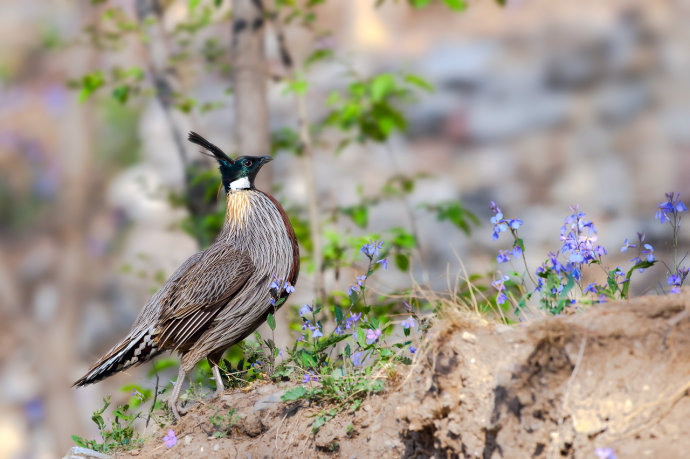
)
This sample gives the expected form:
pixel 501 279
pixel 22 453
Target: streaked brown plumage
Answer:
pixel 220 295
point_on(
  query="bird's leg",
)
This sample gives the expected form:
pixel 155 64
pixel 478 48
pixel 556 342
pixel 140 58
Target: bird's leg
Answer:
pixel 177 388
pixel 220 387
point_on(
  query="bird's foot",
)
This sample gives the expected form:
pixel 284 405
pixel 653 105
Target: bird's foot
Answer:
pixel 178 411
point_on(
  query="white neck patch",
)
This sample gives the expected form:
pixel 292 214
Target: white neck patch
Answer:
pixel 241 183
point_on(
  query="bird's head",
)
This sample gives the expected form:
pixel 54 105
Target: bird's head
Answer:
pixel 238 174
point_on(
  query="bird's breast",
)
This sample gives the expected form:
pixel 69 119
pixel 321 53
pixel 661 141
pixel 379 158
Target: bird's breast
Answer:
pixel 238 206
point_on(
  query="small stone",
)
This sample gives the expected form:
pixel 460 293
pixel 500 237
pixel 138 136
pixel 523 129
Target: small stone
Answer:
pixel 216 447
pixel 268 401
pixel 187 439
pixel 469 337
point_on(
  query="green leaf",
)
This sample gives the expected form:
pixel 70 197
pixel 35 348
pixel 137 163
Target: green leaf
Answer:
pixel 293 394
pixel 643 264
pixel 316 56
pixel 418 81
pixel 121 93
pixel 381 86
pixel 419 3
pixel 330 341
pixel 455 5
pixel 79 441
pixel 402 261
pixel 318 422
pixel 90 83
pixel 519 243
pixel 192 4
pixel 271 321
pixel 403 238
pixel 456 214
pixel 338 312
pixel 308 360
pixel 297 86
pixel 358 214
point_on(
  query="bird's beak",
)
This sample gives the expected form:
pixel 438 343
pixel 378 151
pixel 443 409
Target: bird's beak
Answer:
pixel 266 159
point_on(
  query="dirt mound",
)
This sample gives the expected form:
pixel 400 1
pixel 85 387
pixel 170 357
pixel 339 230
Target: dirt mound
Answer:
pixel 616 376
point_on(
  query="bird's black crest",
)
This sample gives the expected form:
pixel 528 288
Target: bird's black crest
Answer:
pixel 217 152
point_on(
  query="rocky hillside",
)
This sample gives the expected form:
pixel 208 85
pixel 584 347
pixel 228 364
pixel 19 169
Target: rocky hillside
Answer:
pixel 611 380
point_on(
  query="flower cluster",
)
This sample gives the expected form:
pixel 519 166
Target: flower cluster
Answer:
pixel 499 284
pixel 504 255
pixel 579 240
pixel 170 440
pixel 676 279
pixel 501 224
pixel 670 209
pixel 315 328
pixel 278 287
pixel 645 250
pixel 372 248
pixel 359 284
pixel 365 334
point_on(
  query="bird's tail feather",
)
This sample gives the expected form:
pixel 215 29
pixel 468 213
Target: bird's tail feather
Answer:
pixel 135 348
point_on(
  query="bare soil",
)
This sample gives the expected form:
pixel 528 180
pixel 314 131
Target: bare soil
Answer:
pixel 616 375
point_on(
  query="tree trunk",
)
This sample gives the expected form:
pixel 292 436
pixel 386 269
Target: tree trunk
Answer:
pixel 250 82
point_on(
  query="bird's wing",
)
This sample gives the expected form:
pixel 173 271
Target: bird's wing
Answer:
pixel 195 297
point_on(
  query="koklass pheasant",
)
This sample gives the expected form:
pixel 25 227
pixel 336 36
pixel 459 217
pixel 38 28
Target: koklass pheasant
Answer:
pixel 222 294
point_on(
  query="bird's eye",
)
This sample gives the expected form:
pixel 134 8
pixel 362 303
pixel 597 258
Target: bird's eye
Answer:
pixel 247 162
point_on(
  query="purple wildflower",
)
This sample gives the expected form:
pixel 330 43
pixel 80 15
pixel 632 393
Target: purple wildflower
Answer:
pixel 384 263
pixel 649 250
pixel 502 256
pixel 413 349
pixel 309 376
pixel 670 209
pixel 356 359
pixel 352 320
pixel 627 245
pixel 408 323
pixel 591 288
pixel 289 288
pixel 373 335
pixel 304 310
pixel 315 332
pixel 499 284
pixel 605 453
pixel 676 279
pixel 170 439
pixel 372 248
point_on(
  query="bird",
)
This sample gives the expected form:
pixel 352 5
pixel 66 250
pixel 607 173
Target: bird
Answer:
pixel 220 295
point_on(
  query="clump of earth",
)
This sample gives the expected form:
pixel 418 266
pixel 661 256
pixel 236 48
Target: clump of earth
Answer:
pixel 614 377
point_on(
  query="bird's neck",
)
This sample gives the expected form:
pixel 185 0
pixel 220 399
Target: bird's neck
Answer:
pixel 237 207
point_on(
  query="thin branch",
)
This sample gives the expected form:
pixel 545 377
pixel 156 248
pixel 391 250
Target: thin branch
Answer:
pixel 307 143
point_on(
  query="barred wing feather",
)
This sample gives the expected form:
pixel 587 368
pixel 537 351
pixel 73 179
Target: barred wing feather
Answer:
pixel 197 296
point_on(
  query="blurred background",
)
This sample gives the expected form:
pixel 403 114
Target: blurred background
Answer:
pixel 537 105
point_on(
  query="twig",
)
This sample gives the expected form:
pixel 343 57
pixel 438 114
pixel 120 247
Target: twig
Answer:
pixel 308 155
pixel 155 398
pixel 164 90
